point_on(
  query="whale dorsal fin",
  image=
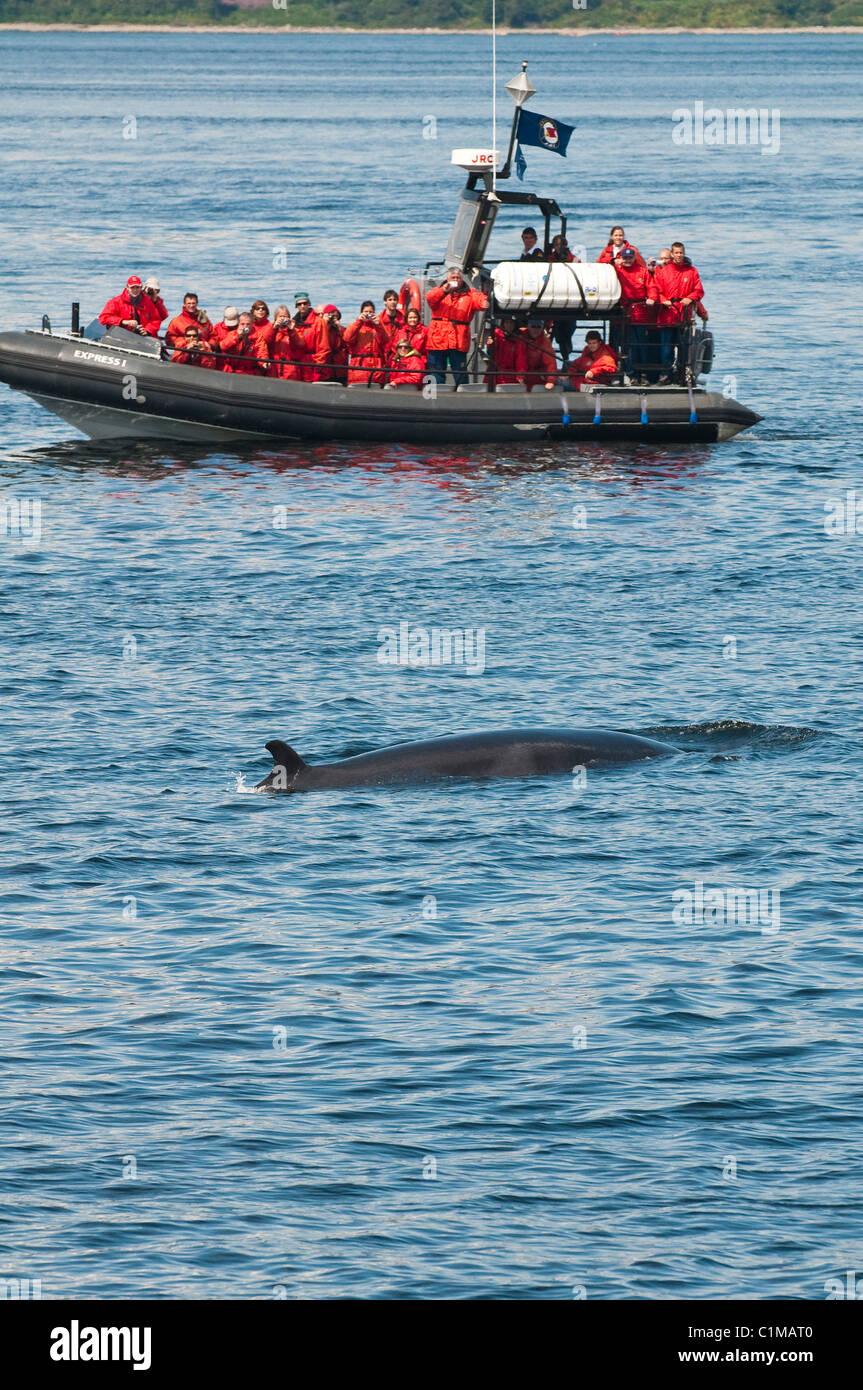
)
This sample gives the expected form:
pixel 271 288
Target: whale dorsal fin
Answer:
pixel 284 756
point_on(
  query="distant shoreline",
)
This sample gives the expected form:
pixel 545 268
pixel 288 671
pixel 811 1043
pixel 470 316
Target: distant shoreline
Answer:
pixel 580 33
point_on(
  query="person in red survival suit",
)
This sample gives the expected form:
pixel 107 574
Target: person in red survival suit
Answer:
pixel 678 287
pixel 507 355
pixel 261 324
pixel 189 316
pixel 152 291
pixel 316 338
pixel 367 342
pixel 392 321
pixel 638 301
pixel 391 318
pixel 288 347
pixel 331 335
pixel 596 365
pixel 243 352
pixel 340 352
pixel 541 361
pixel 223 330
pixel 665 258
pixel 616 242
pixel 560 250
pixel 453 304
pixel 193 352
pixel 133 310
pixel 407 356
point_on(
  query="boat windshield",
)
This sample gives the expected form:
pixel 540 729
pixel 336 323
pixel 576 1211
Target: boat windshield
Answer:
pixel 470 231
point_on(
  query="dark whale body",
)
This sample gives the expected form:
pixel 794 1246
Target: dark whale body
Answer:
pixel 503 753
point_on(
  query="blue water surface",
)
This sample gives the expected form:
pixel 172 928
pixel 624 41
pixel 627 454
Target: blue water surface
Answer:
pixel 452 1041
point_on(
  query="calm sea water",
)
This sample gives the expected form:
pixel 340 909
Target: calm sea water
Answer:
pixel 455 1041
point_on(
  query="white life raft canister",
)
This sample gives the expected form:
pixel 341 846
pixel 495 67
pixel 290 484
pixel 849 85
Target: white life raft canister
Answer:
pixel 517 285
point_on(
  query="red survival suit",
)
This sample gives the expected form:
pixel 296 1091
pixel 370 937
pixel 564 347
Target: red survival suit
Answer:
pixel 195 359
pixel 602 363
pixel 340 354
pixel 241 353
pixel 676 282
pixel 265 331
pixel 636 286
pixel 410 370
pixel 288 349
pixel 609 253
pixel 175 333
pixel 507 359
pixel 143 312
pixel 541 361
pixel 393 327
pixel 452 312
pixel 317 348
pixel 368 343
pixel 158 304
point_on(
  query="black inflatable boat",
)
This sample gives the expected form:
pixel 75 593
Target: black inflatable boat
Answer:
pixel 119 387
pixel 118 384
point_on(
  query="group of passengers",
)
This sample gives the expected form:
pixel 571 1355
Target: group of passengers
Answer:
pixel 389 348
pixel 394 348
pixel 658 297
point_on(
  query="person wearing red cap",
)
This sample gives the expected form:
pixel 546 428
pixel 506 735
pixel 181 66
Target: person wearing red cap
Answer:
pixel 190 316
pixel 133 310
pixel 339 352
pixel 407 355
pixel 596 365
pixel 193 352
pixel 367 342
pixel 638 302
pixel 331 337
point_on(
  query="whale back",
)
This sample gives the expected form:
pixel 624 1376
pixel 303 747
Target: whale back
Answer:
pixel 288 766
pixel 498 753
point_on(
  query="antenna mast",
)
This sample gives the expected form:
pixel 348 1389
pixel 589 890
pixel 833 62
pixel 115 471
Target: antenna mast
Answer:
pixel 494 93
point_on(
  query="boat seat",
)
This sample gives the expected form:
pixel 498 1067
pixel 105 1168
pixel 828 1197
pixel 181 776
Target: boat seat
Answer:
pixel 404 386
pixel 360 385
pixel 510 388
pixel 474 388
pixel 325 383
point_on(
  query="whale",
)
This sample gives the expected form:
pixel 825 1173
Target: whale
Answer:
pixel 497 753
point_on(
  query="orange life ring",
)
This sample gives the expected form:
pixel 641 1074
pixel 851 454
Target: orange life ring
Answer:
pixel 410 297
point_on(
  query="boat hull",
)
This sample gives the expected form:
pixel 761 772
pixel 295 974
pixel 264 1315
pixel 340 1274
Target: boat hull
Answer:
pixel 108 390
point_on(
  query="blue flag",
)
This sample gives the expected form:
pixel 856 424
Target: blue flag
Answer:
pixel 544 131
pixel 520 162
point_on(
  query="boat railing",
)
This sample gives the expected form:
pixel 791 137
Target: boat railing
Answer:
pixel 693 355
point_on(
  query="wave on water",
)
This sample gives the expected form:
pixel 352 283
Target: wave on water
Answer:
pixel 716 735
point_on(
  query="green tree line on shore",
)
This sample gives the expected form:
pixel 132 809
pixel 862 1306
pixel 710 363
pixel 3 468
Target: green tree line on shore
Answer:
pixel 443 14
